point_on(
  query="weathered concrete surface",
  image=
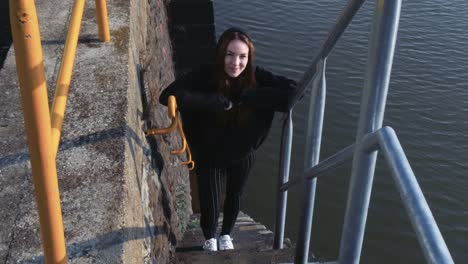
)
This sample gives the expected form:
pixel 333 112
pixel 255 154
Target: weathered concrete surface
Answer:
pixel 124 198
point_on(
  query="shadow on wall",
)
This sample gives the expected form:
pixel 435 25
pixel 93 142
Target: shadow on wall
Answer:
pixel 91 138
pixel 109 240
pixel 157 160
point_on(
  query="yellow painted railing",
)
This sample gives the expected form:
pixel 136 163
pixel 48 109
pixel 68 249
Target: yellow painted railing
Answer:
pixel 66 67
pixel 101 17
pixel 172 113
pixel 176 123
pixel 43 127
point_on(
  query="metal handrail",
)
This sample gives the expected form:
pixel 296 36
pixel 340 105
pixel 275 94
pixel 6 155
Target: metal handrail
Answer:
pixel 190 163
pixel 172 113
pixel 184 141
pixel 64 76
pixel 432 243
pixel 382 42
pixel 185 147
pixel 318 170
pixel 175 123
pixel 333 36
pixel 315 72
pixel 33 87
pixel 62 86
pixel 282 197
pixel 370 138
pixel 102 21
pixel 43 127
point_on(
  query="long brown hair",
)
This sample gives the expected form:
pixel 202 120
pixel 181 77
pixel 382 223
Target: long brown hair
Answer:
pixel 227 85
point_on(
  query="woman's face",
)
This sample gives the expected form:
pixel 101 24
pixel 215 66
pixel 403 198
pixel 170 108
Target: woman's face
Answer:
pixel 237 56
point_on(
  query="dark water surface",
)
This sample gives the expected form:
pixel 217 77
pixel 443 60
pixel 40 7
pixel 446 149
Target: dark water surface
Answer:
pixel 426 106
pixel 5 32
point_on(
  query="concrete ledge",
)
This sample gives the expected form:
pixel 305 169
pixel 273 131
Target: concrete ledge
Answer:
pixel 124 198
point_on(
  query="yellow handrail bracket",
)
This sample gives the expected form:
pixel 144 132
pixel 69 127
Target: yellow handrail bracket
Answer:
pixel 171 112
pixel 184 140
pixel 175 123
pixel 190 162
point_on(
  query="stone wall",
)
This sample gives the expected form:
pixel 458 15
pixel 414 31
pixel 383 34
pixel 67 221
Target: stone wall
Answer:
pixel 168 188
pixel 158 191
pixel 125 199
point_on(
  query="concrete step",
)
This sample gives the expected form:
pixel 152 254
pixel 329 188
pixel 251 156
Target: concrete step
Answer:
pixel 247 234
pixel 252 241
pixel 236 256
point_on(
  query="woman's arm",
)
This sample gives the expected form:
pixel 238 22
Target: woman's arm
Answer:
pixel 190 98
pixel 273 92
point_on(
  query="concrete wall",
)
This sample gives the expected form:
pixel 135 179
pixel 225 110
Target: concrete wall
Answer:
pixel 125 199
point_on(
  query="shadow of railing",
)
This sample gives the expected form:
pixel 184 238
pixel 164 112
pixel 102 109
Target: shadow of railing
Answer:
pixel 91 138
pixel 112 239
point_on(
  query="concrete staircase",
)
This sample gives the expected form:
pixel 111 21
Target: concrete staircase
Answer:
pixel 252 242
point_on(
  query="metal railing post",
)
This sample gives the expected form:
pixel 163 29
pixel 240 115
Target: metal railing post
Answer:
pixel 432 243
pixel 62 85
pixel 282 196
pixel 102 21
pixel 312 155
pixel 381 49
pixel 33 87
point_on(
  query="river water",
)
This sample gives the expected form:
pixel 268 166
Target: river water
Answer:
pixel 427 106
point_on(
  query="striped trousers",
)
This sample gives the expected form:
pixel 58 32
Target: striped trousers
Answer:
pixel 210 187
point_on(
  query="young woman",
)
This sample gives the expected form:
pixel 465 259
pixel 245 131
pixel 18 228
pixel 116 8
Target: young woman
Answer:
pixel 227 109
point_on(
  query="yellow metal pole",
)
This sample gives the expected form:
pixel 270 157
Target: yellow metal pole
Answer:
pixel 62 85
pixel 30 69
pixel 101 17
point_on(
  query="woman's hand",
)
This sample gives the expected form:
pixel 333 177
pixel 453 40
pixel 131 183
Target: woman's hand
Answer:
pixel 227 108
pixel 221 103
pixel 277 98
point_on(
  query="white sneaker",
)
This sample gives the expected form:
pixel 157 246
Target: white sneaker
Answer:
pixel 210 245
pixel 225 242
